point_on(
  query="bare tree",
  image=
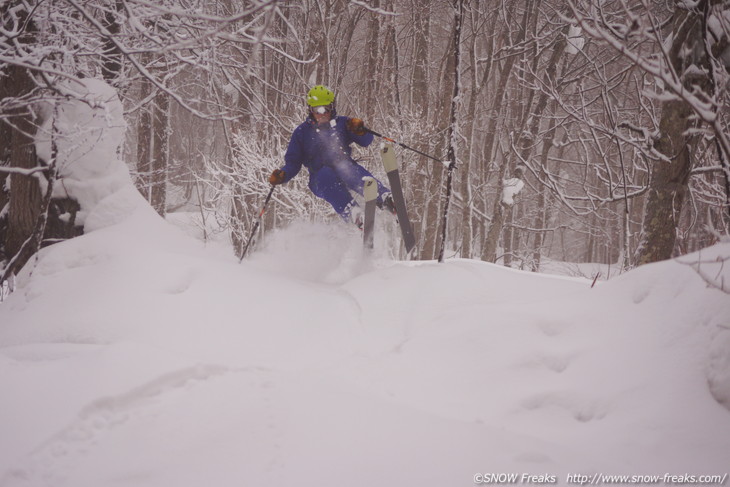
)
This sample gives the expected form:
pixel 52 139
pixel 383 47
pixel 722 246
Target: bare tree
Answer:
pixel 489 250
pixel 453 130
pixel 684 70
pixel 18 90
pixel 612 107
pixel 44 44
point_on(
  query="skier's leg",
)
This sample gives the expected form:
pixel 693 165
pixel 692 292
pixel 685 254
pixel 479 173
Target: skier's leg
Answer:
pixel 351 173
pixel 385 200
pixel 326 185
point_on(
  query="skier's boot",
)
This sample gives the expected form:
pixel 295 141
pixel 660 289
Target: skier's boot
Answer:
pixel 386 203
pixel 357 217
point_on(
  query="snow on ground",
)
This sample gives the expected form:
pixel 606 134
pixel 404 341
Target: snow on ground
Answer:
pixel 137 356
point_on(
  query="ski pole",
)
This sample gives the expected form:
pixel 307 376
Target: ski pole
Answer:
pixel 256 225
pixel 402 145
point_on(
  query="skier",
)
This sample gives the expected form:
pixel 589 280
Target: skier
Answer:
pixel 322 144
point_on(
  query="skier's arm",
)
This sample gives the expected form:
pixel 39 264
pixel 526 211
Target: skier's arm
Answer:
pixel 356 132
pixel 292 158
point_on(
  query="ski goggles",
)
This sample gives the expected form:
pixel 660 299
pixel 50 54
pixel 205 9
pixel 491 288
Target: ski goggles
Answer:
pixel 322 109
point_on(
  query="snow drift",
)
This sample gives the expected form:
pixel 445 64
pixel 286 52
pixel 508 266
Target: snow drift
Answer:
pixel 87 128
pixel 135 355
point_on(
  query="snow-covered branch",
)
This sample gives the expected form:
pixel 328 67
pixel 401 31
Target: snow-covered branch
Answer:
pixel 22 171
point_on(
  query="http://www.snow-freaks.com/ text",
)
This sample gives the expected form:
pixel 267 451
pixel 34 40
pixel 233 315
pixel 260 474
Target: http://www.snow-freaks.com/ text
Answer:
pixel 596 479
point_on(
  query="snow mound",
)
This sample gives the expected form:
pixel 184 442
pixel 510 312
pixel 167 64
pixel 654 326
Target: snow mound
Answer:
pixel 134 355
pixel 87 127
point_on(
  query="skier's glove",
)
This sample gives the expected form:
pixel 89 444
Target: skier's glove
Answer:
pixel 356 126
pixel 277 177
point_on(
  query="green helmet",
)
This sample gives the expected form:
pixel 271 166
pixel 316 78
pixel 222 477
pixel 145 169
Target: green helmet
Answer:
pixel 320 95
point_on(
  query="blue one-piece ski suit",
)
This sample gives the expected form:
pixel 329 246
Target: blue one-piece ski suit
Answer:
pixel 325 151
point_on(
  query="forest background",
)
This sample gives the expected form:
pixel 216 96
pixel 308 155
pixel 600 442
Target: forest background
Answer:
pixel 614 114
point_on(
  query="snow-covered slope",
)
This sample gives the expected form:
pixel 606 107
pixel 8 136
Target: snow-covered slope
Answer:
pixel 135 356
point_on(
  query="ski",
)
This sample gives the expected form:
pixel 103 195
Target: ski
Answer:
pixel 391 168
pixel 370 191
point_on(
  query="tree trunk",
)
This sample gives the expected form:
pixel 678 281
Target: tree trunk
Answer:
pixel 489 252
pixel 440 118
pixel 541 217
pixel 18 129
pixel 453 123
pixel 372 76
pixel 111 67
pixel 489 249
pixel 392 55
pixel 160 153
pixel 470 173
pixel 238 216
pixel 419 85
pixel 670 179
pixel 423 181
pixel 25 195
pixel 527 139
pixel 669 185
pixel 144 139
pixel 509 235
